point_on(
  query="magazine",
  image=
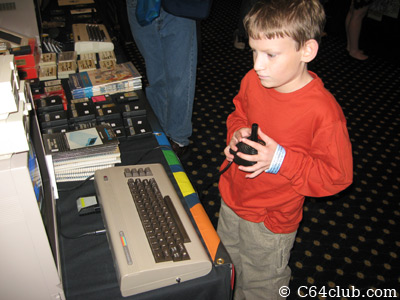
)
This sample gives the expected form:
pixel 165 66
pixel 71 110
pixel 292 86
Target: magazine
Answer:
pixel 100 81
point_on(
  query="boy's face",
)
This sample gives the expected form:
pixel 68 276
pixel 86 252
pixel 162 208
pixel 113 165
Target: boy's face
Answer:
pixel 278 64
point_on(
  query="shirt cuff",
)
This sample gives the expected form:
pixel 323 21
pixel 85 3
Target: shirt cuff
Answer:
pixel 277 160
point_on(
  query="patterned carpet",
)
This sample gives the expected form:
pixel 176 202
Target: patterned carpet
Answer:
pixel 350 239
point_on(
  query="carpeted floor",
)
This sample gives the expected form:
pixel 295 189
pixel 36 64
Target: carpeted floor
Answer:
pixel 350 239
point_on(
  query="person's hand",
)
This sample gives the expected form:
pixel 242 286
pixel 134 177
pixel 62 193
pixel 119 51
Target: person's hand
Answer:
pixel 236 138
pixel 263 158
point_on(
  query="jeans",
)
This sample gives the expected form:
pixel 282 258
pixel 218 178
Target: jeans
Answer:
pixel 169 48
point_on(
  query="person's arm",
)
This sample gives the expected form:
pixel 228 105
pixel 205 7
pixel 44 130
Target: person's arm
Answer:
pixel 237 124
pixel 327 169
pixel 238 118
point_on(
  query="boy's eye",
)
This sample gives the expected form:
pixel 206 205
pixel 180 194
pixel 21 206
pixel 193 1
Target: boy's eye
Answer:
pixel 270 55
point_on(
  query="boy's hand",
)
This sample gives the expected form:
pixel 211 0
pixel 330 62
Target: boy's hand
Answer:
pixel 236 138
pixel 263 157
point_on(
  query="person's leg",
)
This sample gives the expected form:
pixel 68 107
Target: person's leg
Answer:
pixel 179 42
pixel 353 24
pixel 169 48
pixel 264 256
pixel 240 35
pixel 228 230
pixel 148 41
pixel 245 7
pixel 260 257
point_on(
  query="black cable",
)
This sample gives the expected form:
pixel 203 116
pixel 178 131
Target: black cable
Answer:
pixel 58 220
pixel 100 231
pixel 96 232
pixel 77 186
pixel 151 150
pixel 225 169
pixel 217 175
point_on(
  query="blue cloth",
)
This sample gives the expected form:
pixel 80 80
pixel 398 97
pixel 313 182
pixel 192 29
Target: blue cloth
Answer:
pixel 169 48
pixel 147 11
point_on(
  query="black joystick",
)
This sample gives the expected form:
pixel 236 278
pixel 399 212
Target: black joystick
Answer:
pixel 246 149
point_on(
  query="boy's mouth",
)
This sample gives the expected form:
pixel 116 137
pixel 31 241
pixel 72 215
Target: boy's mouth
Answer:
pixel 262 77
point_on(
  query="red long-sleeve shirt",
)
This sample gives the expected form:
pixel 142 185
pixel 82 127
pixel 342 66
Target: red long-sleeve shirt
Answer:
pixel 310 125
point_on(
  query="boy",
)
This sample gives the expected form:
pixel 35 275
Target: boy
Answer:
pixel 307 150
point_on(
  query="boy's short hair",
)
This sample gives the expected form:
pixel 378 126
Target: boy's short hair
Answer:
pixel 301 20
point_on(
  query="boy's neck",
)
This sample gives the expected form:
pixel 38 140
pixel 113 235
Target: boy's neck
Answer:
pixel 304 79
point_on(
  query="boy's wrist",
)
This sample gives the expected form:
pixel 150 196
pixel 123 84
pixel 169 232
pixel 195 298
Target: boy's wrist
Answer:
pixel 277 160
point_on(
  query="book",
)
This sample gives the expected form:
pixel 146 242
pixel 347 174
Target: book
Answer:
pixel 80 175
pixel 76 155
pixel 123 77
pixel 88 160
pixel 84 167
pixel 64 145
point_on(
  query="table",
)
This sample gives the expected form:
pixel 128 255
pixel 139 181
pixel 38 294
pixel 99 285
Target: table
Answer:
pixel 86 262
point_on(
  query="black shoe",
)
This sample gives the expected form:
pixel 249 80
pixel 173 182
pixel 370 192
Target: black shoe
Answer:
pixel 181 151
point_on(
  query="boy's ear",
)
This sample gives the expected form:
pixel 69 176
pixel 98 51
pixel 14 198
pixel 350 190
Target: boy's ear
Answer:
pixel 310 50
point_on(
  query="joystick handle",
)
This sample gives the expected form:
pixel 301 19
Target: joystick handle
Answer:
pixel 254 130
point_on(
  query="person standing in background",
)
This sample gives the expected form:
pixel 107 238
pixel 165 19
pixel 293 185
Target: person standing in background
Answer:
pixel 169 47
pixel 358 10
pixel 240 35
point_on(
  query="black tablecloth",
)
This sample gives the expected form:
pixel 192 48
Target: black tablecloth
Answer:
pixel 87 264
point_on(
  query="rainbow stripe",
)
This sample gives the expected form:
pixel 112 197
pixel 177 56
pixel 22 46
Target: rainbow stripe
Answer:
pixel 207 231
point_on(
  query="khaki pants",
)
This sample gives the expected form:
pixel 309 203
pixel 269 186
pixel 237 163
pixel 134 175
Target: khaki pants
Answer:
pixel 260 257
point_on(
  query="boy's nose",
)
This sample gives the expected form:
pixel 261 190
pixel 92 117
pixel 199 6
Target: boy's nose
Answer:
pixel 259 64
